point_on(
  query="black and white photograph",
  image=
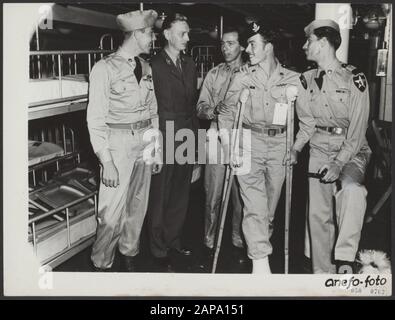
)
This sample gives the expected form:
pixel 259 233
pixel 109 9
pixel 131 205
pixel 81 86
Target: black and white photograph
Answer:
pixel 197 149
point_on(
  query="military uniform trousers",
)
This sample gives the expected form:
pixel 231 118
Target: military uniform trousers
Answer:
pixel 121 210
pixel 327 245
pixel 214 178
pixel 260 190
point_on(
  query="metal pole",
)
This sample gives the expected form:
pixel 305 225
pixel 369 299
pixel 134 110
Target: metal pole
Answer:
pixel 291 95
pixel 38 48
pixel 60 74
pixel 141 7
pixel 68 228
pixel 89 62
pixel 221 26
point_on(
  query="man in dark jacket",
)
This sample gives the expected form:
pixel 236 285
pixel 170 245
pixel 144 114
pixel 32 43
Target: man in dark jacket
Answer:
pixel 175 83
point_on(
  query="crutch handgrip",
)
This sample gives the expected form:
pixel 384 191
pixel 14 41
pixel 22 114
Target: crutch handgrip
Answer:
pixel 291 92
pixel 244 95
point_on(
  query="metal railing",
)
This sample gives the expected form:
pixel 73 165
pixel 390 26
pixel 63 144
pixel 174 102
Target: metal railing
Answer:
pixel 204 59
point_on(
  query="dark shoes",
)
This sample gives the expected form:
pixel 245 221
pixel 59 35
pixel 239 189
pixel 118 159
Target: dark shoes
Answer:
pixel 128 264
pixel 163 265
pixel 205 261
pixel 96 269
pixel 181 251
pixel 239 255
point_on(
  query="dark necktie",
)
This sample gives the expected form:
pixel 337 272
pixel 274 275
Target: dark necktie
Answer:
pixel 320 79
pixel 138 70
pixel 178 65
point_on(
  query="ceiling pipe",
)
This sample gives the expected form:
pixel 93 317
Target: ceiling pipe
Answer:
pixel 221 26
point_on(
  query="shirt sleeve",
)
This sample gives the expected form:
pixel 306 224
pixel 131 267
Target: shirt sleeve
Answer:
pixel 306 119
pixel 359 116
pixel 205 105
pixel 237 83
pixel 99 91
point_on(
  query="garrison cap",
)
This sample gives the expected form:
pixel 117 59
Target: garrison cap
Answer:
pixel 321 23
pixel 135 20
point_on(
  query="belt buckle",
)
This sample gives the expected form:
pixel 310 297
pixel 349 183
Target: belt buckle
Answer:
pixel 337 131
pixel 136 125
pixel 271 132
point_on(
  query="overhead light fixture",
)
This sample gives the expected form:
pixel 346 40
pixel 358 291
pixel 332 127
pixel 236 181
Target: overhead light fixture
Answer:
pixel 214 33
pixel 373 20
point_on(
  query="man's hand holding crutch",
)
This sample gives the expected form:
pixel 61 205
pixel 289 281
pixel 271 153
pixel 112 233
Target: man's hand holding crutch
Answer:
pixel 235 162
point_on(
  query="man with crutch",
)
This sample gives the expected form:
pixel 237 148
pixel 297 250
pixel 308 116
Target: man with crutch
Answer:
pixel 209 105
pixel 265 119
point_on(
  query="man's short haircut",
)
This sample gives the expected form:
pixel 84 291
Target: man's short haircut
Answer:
pixel 173 18
pixel 231 29
pixel 332 35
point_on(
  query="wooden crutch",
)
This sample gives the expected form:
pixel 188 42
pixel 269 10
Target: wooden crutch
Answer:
pixel 291 93
pixel 229 175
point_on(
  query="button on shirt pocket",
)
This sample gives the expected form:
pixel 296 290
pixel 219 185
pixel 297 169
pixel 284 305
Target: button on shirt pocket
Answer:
pixel 124 85
pixel 339 102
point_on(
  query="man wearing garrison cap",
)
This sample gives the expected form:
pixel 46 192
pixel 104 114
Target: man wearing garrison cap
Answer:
pixel 122 108
pixel 339 103
pixel 260 188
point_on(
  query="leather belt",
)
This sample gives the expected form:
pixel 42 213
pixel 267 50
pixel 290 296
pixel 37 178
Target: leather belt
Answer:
pixel 332 130
pixel 131 126
pixel 265 130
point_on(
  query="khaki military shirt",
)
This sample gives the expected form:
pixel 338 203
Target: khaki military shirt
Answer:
pixel 343 101
pixel 115 96
pixel 265 92
pixel 214 88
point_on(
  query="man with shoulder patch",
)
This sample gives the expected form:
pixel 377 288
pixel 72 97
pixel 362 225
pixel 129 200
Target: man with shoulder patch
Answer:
pixel 213 91
pixel 121 112
pixel 339 102
pixel 260 187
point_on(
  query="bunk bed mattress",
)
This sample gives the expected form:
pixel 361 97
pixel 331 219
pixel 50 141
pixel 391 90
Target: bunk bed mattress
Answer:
pixel 43 151
pixel 49 89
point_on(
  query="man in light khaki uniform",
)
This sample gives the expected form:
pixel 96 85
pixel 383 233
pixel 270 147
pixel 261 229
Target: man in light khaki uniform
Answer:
pixel 209 105
pixel 122 108
pixel 260 188
pixel 339 102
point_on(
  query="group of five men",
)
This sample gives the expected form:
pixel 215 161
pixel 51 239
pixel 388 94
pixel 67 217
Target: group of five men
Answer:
pixel 129 96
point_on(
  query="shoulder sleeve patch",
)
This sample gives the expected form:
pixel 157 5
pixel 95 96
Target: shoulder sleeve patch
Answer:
pixel 360 81
pixel 303 81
